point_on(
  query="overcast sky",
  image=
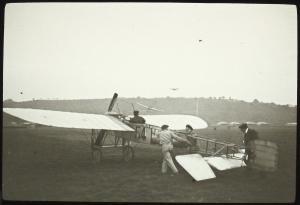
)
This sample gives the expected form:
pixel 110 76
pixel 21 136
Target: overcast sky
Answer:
pixel 91 50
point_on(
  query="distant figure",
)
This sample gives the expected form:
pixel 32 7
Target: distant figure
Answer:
pixel 249 136
pixel 190 136
pixel 166 140
pixel 137 118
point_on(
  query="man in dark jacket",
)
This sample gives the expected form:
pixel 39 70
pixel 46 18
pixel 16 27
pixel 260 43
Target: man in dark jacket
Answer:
pixel 249 136
pixel 136 118
pixel 190 136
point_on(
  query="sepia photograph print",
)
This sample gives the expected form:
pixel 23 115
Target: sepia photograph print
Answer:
pixel 149 102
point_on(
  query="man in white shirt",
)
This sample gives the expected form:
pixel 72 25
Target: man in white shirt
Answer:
pixel 166 140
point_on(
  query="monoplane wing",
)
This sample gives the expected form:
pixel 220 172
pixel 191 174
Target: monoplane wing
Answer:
pixel 175 122
pixel 68 119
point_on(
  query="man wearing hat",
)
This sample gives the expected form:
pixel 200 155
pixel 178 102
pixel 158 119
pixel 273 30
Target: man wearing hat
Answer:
pixel 136 118
pixel 249 136
pixel 166 140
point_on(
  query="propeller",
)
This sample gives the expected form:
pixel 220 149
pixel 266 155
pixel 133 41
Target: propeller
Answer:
pixel 112 102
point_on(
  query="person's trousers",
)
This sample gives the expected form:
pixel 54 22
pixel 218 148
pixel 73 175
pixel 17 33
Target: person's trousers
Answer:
pixel 167 159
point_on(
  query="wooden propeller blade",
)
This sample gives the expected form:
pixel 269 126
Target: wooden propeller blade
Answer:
pixel 112 102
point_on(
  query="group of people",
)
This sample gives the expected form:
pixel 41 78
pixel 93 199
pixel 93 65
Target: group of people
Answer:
pixel 166 138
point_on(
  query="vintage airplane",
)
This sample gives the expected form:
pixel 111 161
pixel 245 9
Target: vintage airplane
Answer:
pixel 174 89
pixel 111 129
pixel 114 130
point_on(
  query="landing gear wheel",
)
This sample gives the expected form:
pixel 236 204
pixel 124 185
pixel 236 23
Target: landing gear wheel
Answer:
pixel 128 154
pixel 97 155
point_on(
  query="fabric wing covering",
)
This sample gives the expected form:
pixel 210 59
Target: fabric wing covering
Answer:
pixel 175 122
pixel 223 163
pixel 68 119
pixel 196 166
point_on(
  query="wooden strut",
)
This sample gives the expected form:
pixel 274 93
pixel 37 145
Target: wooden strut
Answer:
pixel 228 146
pixel 217 152
pixel 118 141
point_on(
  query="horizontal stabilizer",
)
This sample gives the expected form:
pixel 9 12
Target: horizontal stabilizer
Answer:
pixel 196 166
pixel 222 163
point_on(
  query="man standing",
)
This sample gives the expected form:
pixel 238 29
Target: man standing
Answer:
pixel 166 140
pixel 136 118
pixel 140 129
pixel 190 136
pixel 249 136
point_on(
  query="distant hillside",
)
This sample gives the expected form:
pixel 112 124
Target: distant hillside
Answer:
pixel 211 109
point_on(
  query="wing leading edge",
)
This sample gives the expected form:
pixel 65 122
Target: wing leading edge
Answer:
pixel 175 122
pixel 68 119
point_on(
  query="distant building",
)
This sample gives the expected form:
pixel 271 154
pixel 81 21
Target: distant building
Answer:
pixel 291 124
pixel 13 124
pixel 29 125
pixel 262 123
pixel 234 123
pixel 251 123
pixel 222 123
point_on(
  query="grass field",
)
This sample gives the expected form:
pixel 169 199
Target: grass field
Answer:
pixel 51 164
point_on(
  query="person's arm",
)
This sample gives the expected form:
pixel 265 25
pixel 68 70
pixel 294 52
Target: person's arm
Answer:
pixel 193 138
pixel 180 139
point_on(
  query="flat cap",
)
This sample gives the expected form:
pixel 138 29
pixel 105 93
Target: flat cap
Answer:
pixel 243 126
pixel 189 126
pixel 164 127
